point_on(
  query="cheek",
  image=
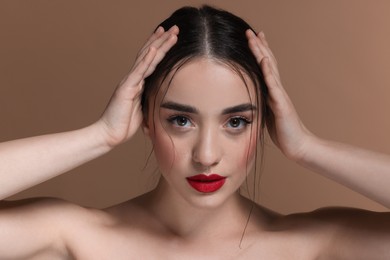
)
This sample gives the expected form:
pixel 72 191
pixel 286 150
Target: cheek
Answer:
pixel 163 150
pixel 249 150
pixel 163 147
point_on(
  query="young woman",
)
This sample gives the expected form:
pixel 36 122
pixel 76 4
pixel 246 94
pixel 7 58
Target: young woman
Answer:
pixel 203 88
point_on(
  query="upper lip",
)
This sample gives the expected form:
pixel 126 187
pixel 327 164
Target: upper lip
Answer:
pixel 204 177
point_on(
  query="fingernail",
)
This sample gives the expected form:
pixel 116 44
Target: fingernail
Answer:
pixel 262 35
pixel 173 28
pixel 159 30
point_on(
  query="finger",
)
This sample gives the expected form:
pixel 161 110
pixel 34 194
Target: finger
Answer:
pixel 137 75
pixel 271 85
pixel 261 41
pixel 278 99
pixel 162 48
pixel 261 37
pixel 146 63
pixel 268 74
pixel 263 56
pixel 155 35
pixel 161 52
pixel 260 50
pixel 272 81
pixel 254 46
pixel 159 41
pixel 267 52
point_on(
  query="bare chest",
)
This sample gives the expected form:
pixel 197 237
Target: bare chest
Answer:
pixel 146 246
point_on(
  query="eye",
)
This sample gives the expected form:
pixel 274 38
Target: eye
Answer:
pixel 238 122
pixel 180 121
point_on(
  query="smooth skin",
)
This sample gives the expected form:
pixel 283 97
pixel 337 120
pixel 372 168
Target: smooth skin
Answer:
pixel 172 222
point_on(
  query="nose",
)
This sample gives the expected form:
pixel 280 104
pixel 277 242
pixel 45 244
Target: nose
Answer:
pixel 207 151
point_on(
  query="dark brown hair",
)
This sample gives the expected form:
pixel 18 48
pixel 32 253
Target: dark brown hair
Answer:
pixel 215 34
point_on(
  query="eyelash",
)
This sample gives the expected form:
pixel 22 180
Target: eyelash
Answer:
pixel 242 119
pixel 173 120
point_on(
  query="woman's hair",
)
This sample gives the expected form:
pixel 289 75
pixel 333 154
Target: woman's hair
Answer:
pixel 213 34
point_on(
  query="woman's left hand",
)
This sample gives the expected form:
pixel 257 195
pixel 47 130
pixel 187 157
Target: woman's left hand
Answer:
pixel 362 170
pixel 283 123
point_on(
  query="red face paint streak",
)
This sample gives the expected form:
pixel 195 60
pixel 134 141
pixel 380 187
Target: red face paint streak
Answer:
pixel 206 183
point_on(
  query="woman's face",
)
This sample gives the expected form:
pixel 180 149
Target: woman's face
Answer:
pixel 204 132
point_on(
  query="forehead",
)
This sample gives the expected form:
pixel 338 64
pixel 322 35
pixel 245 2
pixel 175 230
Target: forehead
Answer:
pixel 208 84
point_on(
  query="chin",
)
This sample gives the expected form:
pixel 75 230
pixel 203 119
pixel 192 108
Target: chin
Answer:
pixel 210 201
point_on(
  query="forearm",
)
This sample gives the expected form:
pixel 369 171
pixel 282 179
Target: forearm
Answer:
pixel 26 162
pixel 30 161
pixel 362 170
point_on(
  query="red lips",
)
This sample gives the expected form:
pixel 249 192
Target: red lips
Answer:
pixel 206 183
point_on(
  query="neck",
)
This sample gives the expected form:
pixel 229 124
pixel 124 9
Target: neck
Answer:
pixel 184 219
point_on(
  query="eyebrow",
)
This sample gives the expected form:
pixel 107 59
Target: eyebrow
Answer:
pixel 190 109
pixel 179 107
pixel 239 108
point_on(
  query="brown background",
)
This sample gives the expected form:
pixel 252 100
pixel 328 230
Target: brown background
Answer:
pixel 61 60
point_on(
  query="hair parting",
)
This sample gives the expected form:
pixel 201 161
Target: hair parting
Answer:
pixel 211 33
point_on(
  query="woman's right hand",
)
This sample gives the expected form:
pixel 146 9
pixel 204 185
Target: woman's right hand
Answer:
pixel 123 114
pixel 29 161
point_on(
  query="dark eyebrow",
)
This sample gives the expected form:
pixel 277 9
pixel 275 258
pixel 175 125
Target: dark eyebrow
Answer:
pixel 179 107
pixel 239 108
pixel 189 109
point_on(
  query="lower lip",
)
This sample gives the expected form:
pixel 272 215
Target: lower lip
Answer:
pixel 207 186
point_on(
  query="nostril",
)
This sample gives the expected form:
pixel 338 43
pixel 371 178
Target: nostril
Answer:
pixel 206 152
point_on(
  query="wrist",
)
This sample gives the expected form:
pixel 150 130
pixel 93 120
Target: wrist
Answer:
pixel 311 144
pixel 98 131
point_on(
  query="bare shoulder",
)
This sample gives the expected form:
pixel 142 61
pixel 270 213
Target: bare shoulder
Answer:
pixel 357 233
pixel 342 233
pixel 40 227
